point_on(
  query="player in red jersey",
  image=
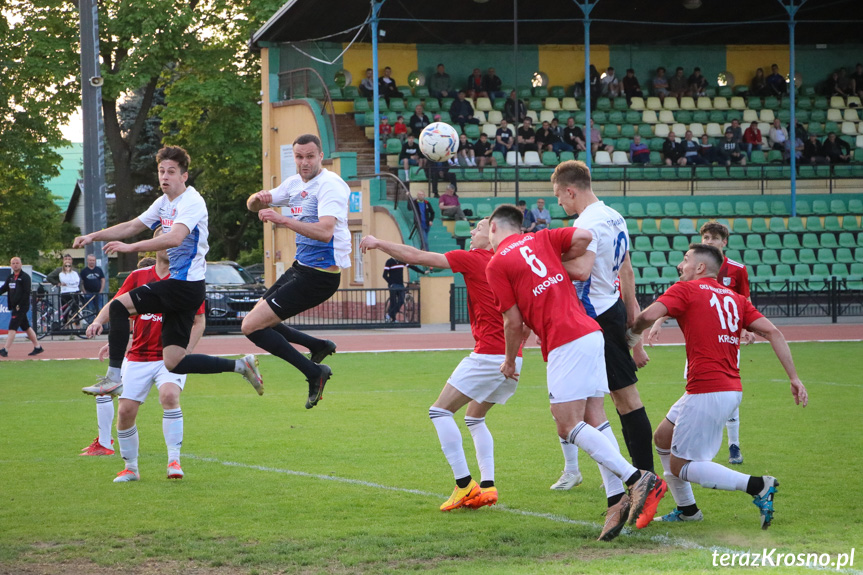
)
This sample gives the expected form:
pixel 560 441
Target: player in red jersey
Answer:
pixel 477 381
pixel 142 367
pixel 712 317
pixel 532 288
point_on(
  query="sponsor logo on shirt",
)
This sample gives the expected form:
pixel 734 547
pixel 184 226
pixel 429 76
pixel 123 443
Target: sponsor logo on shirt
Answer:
pixel 304 194
pixel 726 281
pixel 297 210
pixel 151 317
pixel 167 223
pixel 548 282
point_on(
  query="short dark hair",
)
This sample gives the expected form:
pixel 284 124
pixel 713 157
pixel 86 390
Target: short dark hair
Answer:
pixel 714 228
pixel 661 68
pixel 522 203
pixel 308 139
pixel 697 69
pixel 146 262
pixel 508 214
pixel 713 255
pixel 176 154
pixel 679 68
pixel 628 70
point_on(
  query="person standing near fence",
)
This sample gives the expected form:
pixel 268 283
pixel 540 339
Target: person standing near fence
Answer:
pixel 315 203
pixel 70 287
pixel 93 281
pixel 17 288
pixel 394 275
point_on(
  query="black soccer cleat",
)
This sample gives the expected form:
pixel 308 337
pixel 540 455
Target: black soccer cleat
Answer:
pixel 328 349
pixel 37 350
pixel 316 386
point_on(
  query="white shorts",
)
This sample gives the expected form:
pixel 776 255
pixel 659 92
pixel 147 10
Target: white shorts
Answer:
pixel 699 419
pixel 478 376
pixel 139 376
pixel 576 370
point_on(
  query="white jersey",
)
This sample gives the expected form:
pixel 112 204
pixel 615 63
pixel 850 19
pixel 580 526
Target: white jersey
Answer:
pixel 610 244
pixel 188 260
pixel 324 195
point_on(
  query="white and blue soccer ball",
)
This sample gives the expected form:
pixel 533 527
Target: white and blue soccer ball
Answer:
pixel 438 142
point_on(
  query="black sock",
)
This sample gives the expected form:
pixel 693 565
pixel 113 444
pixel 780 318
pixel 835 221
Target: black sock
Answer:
pixel 639 438
pixel 463 481
pixel 614 499
pixel 486 484
pixel 755 485
pixel 633 478
pixel 200 363
pixel 118 337
pixel 688 510
pixel 296 336
pixel 270 340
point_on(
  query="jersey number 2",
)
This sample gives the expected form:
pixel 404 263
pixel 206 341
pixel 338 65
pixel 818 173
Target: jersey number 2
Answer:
pixel 534 262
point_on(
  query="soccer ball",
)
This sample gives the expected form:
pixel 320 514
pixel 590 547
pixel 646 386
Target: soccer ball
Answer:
pixel 438 142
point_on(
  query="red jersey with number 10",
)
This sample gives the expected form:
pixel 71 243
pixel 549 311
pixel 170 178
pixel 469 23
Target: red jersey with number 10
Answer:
pixel 711 317
pixel 147 330
pixel 526 271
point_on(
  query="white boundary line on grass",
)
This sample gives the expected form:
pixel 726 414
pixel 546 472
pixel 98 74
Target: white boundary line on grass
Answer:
pixel 666 540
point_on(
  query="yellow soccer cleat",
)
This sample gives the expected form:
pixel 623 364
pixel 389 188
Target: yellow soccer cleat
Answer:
pixel 460 496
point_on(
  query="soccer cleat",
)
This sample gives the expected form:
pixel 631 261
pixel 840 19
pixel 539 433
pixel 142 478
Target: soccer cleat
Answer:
pixel 95 442
pixel 639 492
pixel 460 496
pixel 174 470
pixel 3 352
pixel 96 448
pixel 567 481
pixel 764 500
pixel 734 455
pixel 127 475
pixel 676 516
pixel 328 349
pixel 487 496
pixel 252 373
pixel 615 519
pixel 104 386
pixel 660 488
pixel 316 386
pixel 37 350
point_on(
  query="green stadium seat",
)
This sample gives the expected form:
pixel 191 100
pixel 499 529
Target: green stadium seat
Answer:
pixel 795 224
pixel 774 157
pixel 813 224
pixel 804 208
pixel 689 209
pixel 549 159
pixel 820 274
pixel 627 131
pixel 855 206
pixel 725 209
pixel 686 226
pixel 858 255
pixel 394 146
pixel 603 104
pixel 636 210
pixel 751 257
pixel 361 105
pixel 557 223
pixel 462 229
pixel 839 270
pixel 717 116
pixel 844 256
pixel 632 227
pixel 807 256
pixel 828 241
pixel 650 275
pixel 770 257
pixel 763 273
pixel 735 255
pixel 787 256
pixel 831 224
pixel 671 209
pixel 846 240
pixel 735 242
pixel 820 207
pixel 599 117
pixel 618 207
pixel 825 256
pixel 759 226
pixel 557 91
pixel 680 243
pixel 646 133
pixel 838 207
pixel 649 227
pixel 760 208
pixel 658 259
pixel 540 92
pixel 639 259
pixel 669 274
pixel 707 209
pixel 777 208
pixel 566 156
pixel 781 277
pixel 791 241
pixel 850 223
pixel 856 271
pixel 634 117
pixel 654 210
pixel 667 226
pixel 642 244
pixel 742 208
pixel 655 157
pixel 754 242
pixel 350 92
pixel 676 256
pixel 777 225
pixel 660 244
pixel 741 225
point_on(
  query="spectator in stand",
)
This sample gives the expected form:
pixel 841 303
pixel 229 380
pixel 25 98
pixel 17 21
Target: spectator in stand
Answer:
pixel 799 145
pixel 440 85
pixel 776 84
pixel 466 153
pixel 474 86
pixel 54 276
pixel 449 204
pixel 812 152
pixel 596 143
pixel 541 216
pixel 610 85
pixel 758 87
pixel 736 130
pixel 528 224
pixel 491 84
pixel 400 129
pixel 691 149
pixel 514 110
pixel 777 136
pixel 418 121
pixel 697 84
pixel 548 141
pixel 660 83
pixel 595 85
pixel 843 84
pixel 857 80
pixel 483 151
pixel 461 110
pixel 836 149
pixel 527 137
pixel 678 85
pixel 440 171
pixel 503 138
pixel 752 139
pixel 573 135
pixel 423 208
pixel 556 128
pixel 707 150
pixel 673 152
pixel 387 86
pixel 385 130
pixel 729 151
pixel 631 86
pixel 367 85
pixel 639 153
pixel 411 156
pixel 799 130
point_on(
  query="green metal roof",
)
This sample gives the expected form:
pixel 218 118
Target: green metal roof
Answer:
pixel 70 172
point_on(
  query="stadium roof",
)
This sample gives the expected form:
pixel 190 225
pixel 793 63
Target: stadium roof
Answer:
pixel 63 186
pixel 559 22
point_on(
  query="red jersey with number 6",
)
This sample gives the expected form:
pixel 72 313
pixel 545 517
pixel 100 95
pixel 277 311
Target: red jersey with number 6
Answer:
pixel 733 275
pixel 527 271
pixel 711 317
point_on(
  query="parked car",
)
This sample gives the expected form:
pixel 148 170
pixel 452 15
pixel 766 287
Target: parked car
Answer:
pixel 37 279
pixel 231 294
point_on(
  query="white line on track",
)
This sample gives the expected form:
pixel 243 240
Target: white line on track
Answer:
pixel 666 540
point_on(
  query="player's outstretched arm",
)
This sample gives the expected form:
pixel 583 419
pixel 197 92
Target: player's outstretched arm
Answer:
pixel 161 242
pixel 646 318
pixel 406 254
pixel 513 333
pixel 321 230
pixel 118 232
pixel 765 328
pixel 655 331
pixel 259 201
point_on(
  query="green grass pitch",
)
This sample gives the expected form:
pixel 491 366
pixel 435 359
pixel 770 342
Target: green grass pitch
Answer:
pixel 354 485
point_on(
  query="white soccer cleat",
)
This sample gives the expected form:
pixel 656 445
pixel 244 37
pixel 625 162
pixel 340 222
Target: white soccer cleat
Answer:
pixel 252 374
pixel 127 475
pixel 104 386
pixel 174 470
pixel 567 481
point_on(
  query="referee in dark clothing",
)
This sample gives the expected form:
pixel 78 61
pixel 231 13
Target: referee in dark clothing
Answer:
pixel 17 286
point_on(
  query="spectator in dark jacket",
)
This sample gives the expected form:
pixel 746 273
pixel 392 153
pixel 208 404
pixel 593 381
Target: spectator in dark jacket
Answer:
pixel 461 110
pixel 17 287
pixel 673 152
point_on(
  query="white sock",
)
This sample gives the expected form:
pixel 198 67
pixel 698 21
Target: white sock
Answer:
pixel 105 419
pixel 714 476
pixel 450 440
pixel 483 443
pixel 239 366
pixel 733 427
pixel 680 489
pixel 172 428
pixel 113 373
pixel 613 484
pixel 570 456
pixel 600 450
pixel 128 440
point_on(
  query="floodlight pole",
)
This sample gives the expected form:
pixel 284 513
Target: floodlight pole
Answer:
pixel 376 107
pixel 586 7
pixel 517 99
pixel 792 7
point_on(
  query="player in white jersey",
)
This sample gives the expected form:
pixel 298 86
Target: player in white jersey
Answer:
pixel 315 203
pixel 598 271
pixel 182 214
